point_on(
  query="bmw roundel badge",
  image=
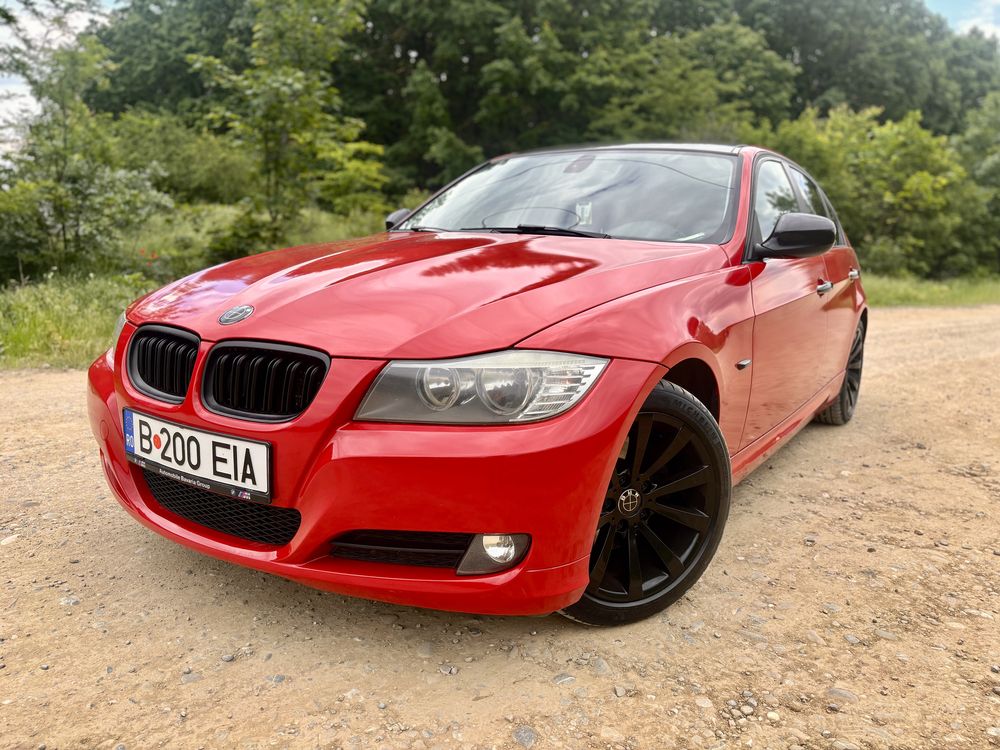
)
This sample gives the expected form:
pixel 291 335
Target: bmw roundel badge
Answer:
pixel 236 314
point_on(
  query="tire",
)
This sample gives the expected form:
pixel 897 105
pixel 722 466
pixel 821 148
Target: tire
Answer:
pixel 842 408
pixel 657 533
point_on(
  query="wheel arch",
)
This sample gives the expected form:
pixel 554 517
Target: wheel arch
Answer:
pixel 696 376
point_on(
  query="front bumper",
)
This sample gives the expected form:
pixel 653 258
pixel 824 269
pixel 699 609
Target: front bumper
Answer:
pixel 546 479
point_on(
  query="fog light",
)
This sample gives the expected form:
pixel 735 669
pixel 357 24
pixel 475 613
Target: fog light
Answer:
pixel 491 553
pixel 499 547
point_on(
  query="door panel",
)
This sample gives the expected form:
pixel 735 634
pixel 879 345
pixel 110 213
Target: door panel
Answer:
pixel 840 306
pixel 789 340
pixel 789 336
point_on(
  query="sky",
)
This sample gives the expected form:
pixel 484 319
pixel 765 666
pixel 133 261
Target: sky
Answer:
pixel 962 15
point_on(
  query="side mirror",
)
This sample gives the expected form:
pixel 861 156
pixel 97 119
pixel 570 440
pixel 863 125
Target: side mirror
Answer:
pixel 798 236
pixel 396 217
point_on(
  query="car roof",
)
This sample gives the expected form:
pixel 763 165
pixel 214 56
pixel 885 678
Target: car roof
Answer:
pixel 711 148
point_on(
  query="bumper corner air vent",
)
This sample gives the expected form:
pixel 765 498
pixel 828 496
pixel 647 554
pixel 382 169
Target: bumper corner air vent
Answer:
pixel 429 549
pixel 262 381
pixel 161 360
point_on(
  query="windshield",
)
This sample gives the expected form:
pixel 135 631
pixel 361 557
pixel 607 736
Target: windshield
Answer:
pixel 667 196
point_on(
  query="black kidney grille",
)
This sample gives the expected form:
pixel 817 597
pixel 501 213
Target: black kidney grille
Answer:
pixel 161 361
pixel 263 381
pixel 432 549
pixel 266 524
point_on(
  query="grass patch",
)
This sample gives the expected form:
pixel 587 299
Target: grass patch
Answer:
pixel 884 291
pixel 63 322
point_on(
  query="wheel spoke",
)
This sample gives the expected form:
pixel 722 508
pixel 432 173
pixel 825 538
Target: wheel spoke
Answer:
pixel 605 519
pixel 682 438
pixel 673 563
pixel 634 566
pixel 695 478
pixel 602 560
pixel 692 518
pixel 644 425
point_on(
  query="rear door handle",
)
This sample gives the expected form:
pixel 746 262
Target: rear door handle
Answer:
pixel 854 274
pixel 823 287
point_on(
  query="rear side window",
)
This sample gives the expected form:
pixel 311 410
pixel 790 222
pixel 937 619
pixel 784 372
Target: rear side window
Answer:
pixel 773 196
pixel 814 199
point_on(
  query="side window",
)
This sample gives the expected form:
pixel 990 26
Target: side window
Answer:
pixel 812 195
pixel 773 196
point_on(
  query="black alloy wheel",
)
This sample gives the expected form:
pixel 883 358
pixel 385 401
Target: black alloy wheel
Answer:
pixel 842 409
pixel 663 513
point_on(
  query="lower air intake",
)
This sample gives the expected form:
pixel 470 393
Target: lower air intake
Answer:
pixel 265 524
pixel 429 549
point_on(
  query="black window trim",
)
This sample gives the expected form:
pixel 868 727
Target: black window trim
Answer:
pixel 788 164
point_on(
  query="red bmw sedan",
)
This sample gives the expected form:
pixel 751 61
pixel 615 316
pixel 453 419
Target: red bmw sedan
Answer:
pixel 531 394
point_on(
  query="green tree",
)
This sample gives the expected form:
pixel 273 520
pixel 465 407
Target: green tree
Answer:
pixel 750 73
pixel 149 42
pixel 284 107
pixel 897 56
pixel 65 202
pixel 665 94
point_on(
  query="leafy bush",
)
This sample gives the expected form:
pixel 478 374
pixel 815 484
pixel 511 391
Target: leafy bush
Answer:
pixel 192 164
pixel 902 193
pixel 175 244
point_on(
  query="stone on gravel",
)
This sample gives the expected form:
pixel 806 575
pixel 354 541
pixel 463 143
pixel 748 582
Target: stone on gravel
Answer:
pixel 620 692
pixel 815 637
pixel 773 716
pixel 841 694
pixel 228 657
pixel 844 745
pixel 563 678
pixel 703 701
pixel 887 635
pixel 525 736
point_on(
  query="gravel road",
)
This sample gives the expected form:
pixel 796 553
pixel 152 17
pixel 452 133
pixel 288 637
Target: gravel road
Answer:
pixel 854 603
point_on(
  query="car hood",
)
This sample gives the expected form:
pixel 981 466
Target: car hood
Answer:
pixel 419 294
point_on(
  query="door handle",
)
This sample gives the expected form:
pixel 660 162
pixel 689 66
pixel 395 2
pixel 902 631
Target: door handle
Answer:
pixel 854 274
pixel 823 287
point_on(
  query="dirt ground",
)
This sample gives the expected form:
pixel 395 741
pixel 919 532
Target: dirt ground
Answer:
pixel 854 602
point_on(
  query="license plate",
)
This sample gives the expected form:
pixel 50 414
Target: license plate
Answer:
pixel 219 463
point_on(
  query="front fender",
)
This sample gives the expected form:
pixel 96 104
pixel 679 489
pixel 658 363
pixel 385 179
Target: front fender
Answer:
pixel 708 317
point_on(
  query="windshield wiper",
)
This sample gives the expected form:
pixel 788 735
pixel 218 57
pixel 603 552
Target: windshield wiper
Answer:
pixel 539 229
pixel 421 229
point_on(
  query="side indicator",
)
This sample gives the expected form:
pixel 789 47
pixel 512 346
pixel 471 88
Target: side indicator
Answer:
pixel 743 364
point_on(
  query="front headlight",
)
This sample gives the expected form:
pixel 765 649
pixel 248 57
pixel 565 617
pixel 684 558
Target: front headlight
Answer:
pixel 498 388
pixel 118 330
